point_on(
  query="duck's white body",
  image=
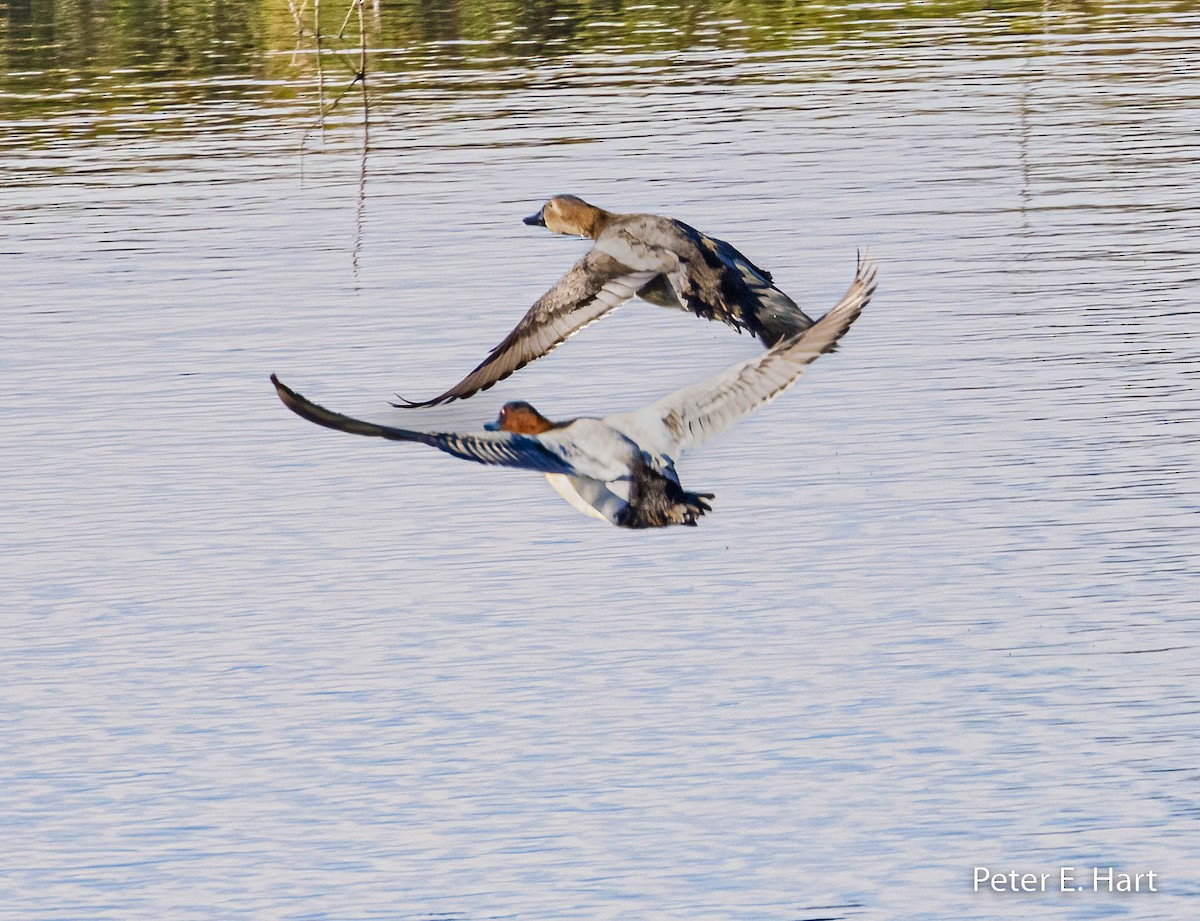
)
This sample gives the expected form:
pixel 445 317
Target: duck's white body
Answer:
pixel 662 260
pixel 621 468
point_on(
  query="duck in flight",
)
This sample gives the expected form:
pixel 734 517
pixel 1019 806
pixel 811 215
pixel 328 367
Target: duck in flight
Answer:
pixel 659 259
pixel 621 468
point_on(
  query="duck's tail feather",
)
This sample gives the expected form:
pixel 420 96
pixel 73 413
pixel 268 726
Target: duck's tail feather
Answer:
pixel 779 317
pixel 658 501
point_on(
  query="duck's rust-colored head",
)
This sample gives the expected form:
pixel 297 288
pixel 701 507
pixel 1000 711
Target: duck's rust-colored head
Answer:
pixel 569 214
pixel 521 419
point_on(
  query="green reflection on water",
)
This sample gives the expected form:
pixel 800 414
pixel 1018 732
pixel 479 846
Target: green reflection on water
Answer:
pixel 55 53
pixel 83 36
pixel 189 36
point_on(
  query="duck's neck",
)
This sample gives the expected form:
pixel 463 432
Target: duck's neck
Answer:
pixel 598 220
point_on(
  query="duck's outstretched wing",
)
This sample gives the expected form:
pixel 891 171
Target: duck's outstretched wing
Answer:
pixel 689 416
pixel 504 449
pixel 597 284
pixel 719 283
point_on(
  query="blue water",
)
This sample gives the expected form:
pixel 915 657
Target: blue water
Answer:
pixel 942 616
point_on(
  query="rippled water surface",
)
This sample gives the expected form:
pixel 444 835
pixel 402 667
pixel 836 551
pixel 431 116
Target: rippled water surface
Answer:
pixel 944 614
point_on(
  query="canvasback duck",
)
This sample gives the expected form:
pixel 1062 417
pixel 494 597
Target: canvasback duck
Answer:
pixel 621 469
pixel 659 259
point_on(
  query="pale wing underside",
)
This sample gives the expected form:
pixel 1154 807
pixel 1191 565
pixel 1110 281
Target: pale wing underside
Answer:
pixel 597 284
pixel 503 449
pixel 694 414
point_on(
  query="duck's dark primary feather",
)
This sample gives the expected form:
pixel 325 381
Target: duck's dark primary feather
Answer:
pixel 502 449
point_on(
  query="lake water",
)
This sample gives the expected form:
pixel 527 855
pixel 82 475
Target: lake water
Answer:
pixel 944 613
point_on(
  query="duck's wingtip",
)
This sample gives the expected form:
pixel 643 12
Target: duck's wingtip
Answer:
pixel 866 270
pixel 289 398
pixel 864 261
pixel 406 403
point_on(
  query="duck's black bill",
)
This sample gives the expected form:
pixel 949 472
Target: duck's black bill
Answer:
pixel 535 220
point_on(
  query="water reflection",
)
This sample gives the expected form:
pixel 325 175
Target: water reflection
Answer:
pixel 945 614
pixel 47 47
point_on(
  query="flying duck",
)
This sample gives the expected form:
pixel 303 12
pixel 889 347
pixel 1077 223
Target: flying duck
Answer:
pixel 659 259
pixel 621 468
